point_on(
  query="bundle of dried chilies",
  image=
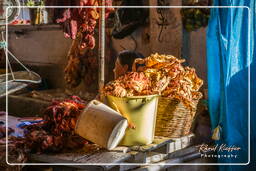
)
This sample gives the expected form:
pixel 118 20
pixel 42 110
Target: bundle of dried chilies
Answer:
pixel 56 132
pixel 79 24
pixel 16 150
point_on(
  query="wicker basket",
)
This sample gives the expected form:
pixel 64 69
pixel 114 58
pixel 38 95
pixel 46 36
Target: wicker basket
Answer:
pixel 174 119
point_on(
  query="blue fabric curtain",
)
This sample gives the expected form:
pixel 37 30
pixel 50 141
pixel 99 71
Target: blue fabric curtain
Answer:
pixel 231 52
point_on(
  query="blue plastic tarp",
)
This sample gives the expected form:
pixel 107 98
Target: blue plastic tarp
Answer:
pixel 231 56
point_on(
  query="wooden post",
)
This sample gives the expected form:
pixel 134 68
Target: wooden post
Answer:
pixel 102 49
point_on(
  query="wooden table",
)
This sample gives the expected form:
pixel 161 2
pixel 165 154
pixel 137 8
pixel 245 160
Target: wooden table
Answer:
pixel 159 150
pixel 162 149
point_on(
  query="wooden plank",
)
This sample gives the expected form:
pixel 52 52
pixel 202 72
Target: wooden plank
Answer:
pixel 183 152
pixel 83 158
pixel 179 149
pixel 157 143
pixel 128 167
pixel 180 143
pixel 165 145
pixel 106 157
pixel 137 157
pixel 164 164
pixel 124 167
pixel 45 27
pixel 154 157
pixel 122 149
pixel 159 150
pixel 34 158
pixel 139 153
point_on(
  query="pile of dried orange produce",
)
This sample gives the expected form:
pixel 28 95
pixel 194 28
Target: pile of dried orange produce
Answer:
pixel 130 84
pixel 161 74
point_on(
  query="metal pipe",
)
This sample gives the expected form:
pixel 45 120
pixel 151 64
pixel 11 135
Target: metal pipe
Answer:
pixel 102 49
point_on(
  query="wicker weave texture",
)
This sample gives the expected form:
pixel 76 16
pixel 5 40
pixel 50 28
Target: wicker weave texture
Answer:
pixel 174 119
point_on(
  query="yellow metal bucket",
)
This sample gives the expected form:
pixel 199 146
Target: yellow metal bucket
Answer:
pixel 140 111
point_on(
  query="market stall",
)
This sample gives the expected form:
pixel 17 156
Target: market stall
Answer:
pixel 82 115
